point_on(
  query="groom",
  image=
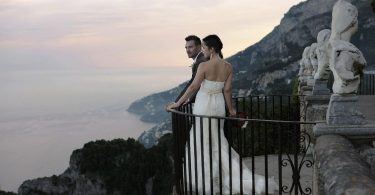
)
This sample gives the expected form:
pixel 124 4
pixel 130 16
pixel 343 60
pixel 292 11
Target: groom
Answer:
pixel 193 50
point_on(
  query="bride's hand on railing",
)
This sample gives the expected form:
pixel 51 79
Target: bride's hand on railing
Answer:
pixel 232 113
pixel 187 101
pixel 170 106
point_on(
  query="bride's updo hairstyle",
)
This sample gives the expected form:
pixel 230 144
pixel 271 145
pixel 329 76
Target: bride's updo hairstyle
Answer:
pixel 213 41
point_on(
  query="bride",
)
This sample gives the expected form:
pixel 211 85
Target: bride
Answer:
pixel 214 81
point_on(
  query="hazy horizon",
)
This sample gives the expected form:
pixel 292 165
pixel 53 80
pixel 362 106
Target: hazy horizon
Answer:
pixel 70 91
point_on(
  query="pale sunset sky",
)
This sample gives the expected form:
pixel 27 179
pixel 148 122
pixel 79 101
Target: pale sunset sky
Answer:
pixel 64 34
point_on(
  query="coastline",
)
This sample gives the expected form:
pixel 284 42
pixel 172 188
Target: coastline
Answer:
pixel 42 147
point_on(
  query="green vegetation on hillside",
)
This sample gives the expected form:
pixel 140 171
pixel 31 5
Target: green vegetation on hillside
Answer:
pixel 6 193
pixel 126 166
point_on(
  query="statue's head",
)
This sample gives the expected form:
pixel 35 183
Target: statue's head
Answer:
pixel 344 20
pixel 312 55
pixel 323 36
pixel 305 52
pixel 306 60
pixel 322 55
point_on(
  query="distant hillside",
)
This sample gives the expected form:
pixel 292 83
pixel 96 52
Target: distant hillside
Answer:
pixel 270 66
pixel 151 108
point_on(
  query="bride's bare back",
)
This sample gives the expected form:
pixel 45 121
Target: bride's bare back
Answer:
pixel 217 70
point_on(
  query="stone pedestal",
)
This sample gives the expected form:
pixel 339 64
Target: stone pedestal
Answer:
pixel 320 88
pixel 344 110
pixel 316 108
pixel 306 90
pixel 363 132
pixel 302 83
pixel 311 82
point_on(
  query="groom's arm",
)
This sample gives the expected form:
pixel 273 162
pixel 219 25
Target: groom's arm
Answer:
pixel 192 97
pixel 193 87
pixel 186 86
pixel 195 69
pixel 194 72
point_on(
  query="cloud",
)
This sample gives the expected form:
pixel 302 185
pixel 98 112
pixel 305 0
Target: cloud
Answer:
pixel 121 33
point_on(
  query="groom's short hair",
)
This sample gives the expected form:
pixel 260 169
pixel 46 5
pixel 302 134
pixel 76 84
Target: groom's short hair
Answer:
pixel 194 38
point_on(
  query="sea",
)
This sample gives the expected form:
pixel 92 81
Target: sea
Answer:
pixel 47 114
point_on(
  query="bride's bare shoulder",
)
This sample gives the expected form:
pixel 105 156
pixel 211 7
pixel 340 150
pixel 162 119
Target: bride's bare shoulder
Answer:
pixel 202 66
pixel 227 64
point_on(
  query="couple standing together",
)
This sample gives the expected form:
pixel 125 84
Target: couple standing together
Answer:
pixel 210 88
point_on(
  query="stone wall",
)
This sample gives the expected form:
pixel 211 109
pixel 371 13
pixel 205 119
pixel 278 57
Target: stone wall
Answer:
pixel 341 169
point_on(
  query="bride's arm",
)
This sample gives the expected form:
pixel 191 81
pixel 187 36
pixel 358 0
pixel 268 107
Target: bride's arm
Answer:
pixel 228 93
pixel 194 86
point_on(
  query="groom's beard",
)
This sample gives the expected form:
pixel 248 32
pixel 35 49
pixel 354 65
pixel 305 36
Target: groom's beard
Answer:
pixel 193 56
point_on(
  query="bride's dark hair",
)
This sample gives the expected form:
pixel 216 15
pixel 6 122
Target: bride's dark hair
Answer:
pixel 213 41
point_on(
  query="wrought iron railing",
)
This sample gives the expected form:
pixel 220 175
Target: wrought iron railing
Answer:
pixel 269 143
pixel 366 86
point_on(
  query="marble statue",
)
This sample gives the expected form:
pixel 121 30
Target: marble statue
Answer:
pixel 308 69
pixel 347 65
pixel 346 60
pixel 313 59
pixel 323 70
pixel 304 65
pixel 301 69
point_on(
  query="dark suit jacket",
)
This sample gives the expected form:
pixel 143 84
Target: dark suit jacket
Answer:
pixel 194 68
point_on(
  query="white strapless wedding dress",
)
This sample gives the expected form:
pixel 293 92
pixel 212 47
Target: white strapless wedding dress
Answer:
pixel 210 101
